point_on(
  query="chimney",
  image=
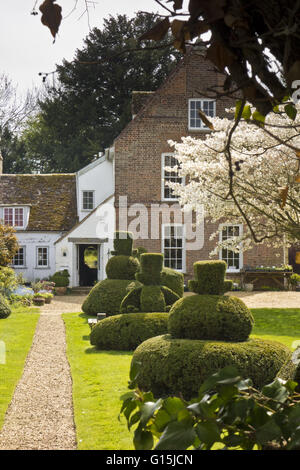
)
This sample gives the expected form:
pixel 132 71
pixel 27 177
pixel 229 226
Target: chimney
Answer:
pixel 138 100
pixel 1 164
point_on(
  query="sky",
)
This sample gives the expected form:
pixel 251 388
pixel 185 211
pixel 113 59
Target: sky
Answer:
pixel 26 46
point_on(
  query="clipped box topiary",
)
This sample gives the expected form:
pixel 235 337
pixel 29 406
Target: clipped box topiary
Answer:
pixel 152 296
pixel 122 267
pixel 171 366
pixel 106 296
pixel 5 309
pixel 126 332
pixel 210 317
pixel 174 280
pixel 208 331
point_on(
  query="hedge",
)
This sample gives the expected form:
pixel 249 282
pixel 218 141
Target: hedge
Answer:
pixel 210 317
pixel 209 278
pixel 179 366
pixel 126 332
pixel 106 296
pixel 122 267
pixel 174 280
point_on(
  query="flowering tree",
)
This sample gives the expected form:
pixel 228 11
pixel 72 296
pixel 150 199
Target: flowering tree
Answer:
pixel 247 174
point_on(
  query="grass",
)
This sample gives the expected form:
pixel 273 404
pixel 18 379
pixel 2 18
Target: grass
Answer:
pixel 16 332
pixel 276 324
pixel 99 379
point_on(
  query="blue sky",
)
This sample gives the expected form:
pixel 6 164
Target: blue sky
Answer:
pixel 26 46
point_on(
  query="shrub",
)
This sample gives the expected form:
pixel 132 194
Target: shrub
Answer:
pixel 151 267
pixel 295 279
pixel 209 278
pixel 173 279
pixel 5 309
pixel 8 280
pixel 137 252
pixel 106 296
pixel 126 332
pixel 61 278
pixel 122 267
pixel 123 243
pixel 210 317
pixel 180 366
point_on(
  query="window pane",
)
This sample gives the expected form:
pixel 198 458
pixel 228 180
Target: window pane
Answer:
pixel 19 258
pixel 173 246
pixel 88 200
pixel 42 256
pixel 169 176
pixel 19 217
pixel 8 216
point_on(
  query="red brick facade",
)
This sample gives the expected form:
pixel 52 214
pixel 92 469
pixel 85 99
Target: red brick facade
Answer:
pixel 139 149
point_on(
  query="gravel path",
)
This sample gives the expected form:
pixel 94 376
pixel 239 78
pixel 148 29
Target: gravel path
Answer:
pixel 40 416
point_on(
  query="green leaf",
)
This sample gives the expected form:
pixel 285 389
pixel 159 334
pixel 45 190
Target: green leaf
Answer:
pixel 291 111
pixel 134 419
pixel 147 411
pixel 227 375
pixel 208 432
pixel 178 435
pixel 143 440
pixel 270 431
pixel 173 405
pixel 162 418
pixel 246 114
pixel 237 108
pixel 257 116
pixel 276 390
pixel 133 373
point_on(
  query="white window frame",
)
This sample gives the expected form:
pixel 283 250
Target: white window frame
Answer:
pixel 241 258
pixel 202 125
pixel 13 208
pixel 183 269
pixel 37 257
pixel 16 266
pixel 163 177
pixel 82 199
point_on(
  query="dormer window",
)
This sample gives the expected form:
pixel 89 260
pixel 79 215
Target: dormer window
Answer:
pixel 88 200
pixel 207 106
pixel 14 216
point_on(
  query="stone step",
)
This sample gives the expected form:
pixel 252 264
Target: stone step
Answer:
pixel 80 290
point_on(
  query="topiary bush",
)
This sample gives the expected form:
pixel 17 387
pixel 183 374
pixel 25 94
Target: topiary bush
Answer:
pixel 106 296
pixel 174 280
pixel 123 243
pixel 5 309
pixel 210 317
pixel 152 296
pixel 122 267
pixel 61 278
pixel 208 331
pixel 210 278
pixel 180 366
pixel 126 332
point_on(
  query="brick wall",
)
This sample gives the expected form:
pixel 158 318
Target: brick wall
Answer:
pixel 138 150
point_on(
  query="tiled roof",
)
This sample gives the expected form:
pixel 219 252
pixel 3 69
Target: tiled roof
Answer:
pixel 52 199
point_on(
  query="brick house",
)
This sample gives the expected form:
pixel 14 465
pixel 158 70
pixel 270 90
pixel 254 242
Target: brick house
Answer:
pixel 141 153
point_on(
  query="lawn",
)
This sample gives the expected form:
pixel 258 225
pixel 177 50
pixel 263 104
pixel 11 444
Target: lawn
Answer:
pixel 16 334
pixel 101 377
pixel 277 324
